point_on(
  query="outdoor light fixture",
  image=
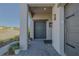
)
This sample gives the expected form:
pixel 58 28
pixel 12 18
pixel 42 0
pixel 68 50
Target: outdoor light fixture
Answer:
pixel 54 17
pixel 44 8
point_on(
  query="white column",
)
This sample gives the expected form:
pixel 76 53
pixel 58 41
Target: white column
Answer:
pixel 58 28
pixel 23 26
pixel 61 28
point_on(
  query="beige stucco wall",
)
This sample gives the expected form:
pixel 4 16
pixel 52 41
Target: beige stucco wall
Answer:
pixel 42 16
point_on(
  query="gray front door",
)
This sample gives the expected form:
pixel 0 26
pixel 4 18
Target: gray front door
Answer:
pixel 72 29
pixel 39 29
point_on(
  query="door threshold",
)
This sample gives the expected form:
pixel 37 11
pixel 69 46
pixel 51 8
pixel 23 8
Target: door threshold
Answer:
pixel 39 39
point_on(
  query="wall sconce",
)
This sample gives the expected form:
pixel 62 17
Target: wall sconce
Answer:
pixel 50 24
pixel 54 17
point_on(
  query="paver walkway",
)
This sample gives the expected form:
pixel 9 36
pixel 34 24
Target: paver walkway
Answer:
pixel 39 48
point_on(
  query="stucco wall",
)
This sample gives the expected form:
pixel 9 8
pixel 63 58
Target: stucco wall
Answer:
pixel 58 29
pixel 42 16
pixel 23 26
pixel 49 31
pixel 30 24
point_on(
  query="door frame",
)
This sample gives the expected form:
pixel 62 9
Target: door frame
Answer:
pixel 34 27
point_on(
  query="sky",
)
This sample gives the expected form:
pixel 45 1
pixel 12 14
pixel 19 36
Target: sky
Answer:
pixel 9 15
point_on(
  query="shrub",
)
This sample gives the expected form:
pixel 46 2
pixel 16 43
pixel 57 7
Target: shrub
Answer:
pixel 13 48
pixel 16 38
pixel 1 43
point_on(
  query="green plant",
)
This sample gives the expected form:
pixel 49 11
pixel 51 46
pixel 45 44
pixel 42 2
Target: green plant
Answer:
pixel 13 48
pixel 16 38
pixel 1 43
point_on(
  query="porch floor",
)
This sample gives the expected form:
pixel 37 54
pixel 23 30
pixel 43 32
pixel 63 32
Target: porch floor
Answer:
pixel 39 48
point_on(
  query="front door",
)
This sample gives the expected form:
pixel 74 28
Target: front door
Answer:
pixel 39 29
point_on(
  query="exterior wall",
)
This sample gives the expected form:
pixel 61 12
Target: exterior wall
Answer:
pixel 42 17
pixel 23 26
pixel 49 31
pixel 30 21
pixel 58 29
pixel 32 29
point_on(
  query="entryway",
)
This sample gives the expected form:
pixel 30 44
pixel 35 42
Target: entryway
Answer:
pixel 39 48
pixel 39 29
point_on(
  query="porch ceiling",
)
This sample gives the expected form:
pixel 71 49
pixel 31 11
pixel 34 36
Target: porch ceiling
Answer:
pixel 42 5
pixel 37 10
pixel 41 8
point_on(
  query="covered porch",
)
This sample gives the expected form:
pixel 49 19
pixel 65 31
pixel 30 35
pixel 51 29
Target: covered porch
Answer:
pixel 39 48
pixel 47 13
